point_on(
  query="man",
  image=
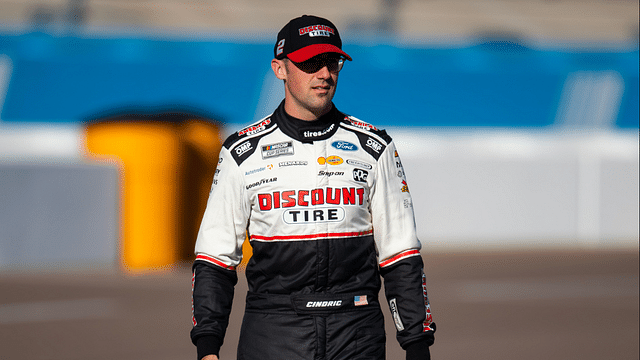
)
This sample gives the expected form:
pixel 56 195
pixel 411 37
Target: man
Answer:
pixel 323 199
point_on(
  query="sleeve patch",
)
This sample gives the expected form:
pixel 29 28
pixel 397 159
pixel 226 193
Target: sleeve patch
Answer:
pixel 395 313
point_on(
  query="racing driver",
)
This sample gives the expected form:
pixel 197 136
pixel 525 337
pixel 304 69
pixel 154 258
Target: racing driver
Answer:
pixel 323 198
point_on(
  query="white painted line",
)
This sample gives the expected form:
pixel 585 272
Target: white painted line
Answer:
pixel 564 288
pixel 80 309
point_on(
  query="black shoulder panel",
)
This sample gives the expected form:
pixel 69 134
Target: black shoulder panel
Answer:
pixel 253 129
pixel 241 150
pixel 371 144
pixel 350 120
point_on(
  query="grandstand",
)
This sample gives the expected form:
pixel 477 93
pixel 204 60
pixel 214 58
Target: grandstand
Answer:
pixel 599 21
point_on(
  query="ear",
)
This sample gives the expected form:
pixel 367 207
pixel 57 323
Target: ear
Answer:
pixel 279 69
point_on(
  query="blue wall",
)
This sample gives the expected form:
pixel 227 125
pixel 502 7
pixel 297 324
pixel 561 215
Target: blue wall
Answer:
pixel 499 84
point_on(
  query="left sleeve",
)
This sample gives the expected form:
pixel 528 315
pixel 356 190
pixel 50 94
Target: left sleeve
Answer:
pixel 400 259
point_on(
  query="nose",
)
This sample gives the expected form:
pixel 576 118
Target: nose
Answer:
pixel 323 73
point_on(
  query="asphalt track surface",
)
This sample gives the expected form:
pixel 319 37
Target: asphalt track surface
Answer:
pixel 517 305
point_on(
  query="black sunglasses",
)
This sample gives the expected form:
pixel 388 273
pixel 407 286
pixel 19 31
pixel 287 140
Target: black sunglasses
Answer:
pixel 315 64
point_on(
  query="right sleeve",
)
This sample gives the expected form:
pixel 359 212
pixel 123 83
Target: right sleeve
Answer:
pixel 224 224
pixel 218 251
pixel 212 291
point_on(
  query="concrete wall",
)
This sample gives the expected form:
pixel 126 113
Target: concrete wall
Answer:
pixel 58 215
pixel 472 190
pixel 501 190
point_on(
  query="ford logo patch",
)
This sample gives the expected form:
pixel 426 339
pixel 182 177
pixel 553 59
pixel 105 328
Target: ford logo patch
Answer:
pixel 344 145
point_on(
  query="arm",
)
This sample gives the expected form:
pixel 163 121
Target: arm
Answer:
pixel 406 292
pixel 218 251
pixel 213 289
pixel 401 262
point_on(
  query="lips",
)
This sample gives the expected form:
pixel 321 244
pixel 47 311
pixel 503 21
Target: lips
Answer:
pixel 321 88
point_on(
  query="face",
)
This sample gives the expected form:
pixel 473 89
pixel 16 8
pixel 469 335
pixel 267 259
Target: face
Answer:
pixel 309 86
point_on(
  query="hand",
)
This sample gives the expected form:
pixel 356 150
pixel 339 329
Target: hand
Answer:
pixel 210 357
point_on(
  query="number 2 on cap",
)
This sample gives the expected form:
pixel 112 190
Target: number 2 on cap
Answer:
pixel 280 47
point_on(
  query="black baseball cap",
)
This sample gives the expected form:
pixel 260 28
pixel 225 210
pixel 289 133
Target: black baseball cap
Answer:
pixel 307 36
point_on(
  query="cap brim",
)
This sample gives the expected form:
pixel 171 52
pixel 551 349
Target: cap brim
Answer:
pixel 310 51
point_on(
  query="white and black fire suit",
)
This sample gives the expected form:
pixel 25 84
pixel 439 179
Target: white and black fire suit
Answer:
pixel 327 210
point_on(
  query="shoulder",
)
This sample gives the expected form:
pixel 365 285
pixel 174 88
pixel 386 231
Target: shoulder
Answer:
pixel 372 139
pixel 354 124
pixel 254 130
pixel 243 143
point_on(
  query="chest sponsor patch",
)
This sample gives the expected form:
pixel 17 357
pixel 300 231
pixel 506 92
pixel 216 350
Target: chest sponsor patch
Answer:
pixel 331 160
pixel 318 133
pixel 261 182
pixel 359 163
pixel 251 172
pixel 344 145
pixel 314 215
pixel 330 173
pixel 293 163
pixel 305 198
pixel 278 149
pixel 360 175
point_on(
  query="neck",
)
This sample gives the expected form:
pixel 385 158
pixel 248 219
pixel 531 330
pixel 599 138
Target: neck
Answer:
pixel 304 113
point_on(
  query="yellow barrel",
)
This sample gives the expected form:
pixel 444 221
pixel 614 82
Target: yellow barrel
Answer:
pixel 149 155
pixel 166 170
pixel 202 143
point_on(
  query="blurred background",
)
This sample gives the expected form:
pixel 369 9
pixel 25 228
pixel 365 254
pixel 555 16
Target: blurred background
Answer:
pixel 516 120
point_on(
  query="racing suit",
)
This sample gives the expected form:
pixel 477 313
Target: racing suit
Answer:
pixel 327 211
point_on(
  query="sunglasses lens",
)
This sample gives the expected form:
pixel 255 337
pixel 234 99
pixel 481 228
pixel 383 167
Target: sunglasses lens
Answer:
pixel 316 64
